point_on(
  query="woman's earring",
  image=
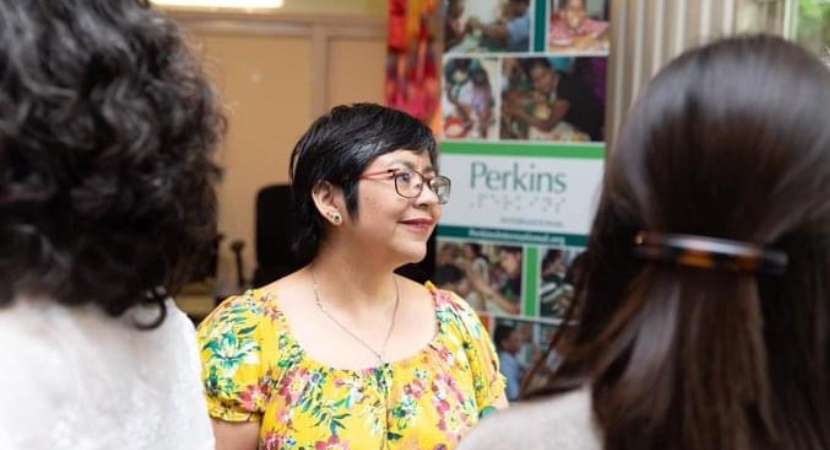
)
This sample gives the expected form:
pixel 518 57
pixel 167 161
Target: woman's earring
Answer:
pixel 335 218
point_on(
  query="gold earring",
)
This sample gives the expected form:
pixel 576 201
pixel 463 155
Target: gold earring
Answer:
pixel 335 218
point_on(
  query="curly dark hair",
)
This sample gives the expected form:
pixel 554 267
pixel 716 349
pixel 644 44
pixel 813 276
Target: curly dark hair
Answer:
pixel 107 128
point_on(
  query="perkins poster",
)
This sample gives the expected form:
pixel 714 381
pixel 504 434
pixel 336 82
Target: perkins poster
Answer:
pixel 523 100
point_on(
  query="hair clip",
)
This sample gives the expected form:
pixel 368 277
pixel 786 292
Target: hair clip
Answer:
pixel 709 253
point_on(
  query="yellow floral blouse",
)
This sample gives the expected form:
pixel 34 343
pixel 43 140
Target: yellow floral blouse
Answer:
pixel 254 370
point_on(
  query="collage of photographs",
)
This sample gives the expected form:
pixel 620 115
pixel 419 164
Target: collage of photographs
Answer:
pixel 489 277
pixel 501 82
pixel 520 344
pixel 496 87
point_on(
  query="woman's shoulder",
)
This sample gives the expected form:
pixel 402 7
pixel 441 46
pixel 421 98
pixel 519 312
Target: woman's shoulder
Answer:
pixel 253 315
pixel 456 316
pixel 43 321
pixel 67 364
pixel 448 300
pixel 564 422
pixel 249 306
pixel 61 334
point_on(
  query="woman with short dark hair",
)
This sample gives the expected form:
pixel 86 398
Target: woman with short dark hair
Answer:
pixel 703 301
pixel 344 352
pixel 107 128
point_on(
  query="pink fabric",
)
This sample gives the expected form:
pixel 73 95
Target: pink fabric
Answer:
pixel 562 34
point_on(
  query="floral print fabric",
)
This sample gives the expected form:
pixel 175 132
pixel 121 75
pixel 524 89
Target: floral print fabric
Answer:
pixel 254 370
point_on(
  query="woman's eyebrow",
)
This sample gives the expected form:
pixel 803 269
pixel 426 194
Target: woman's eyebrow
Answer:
pixel 410 166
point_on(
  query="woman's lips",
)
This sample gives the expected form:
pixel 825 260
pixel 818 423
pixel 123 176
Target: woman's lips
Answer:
pixel 422 225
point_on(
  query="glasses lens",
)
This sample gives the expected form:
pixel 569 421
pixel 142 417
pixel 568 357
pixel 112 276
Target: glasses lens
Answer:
pixel 408 184
pixel 441 187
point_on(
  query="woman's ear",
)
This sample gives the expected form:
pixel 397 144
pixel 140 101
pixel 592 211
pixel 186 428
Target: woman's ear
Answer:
pixel 328 200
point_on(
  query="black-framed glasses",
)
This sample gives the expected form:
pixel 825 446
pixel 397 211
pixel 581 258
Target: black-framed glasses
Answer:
pixel 410 184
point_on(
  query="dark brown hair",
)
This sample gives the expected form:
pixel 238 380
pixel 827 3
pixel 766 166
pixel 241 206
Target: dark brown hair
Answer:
pixel 107 133
pixel 731 140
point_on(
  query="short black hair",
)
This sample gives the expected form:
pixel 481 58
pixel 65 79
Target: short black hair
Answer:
pixel 107 126
pixel 337 148
pixel 475 246
pixel 502 332
pixel 530 63
pixel 447 274
pixel 512 249
pixel 456 64
pixel 552 256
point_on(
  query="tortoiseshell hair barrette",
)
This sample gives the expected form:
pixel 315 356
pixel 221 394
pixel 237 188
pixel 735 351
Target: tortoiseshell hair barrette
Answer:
pixel 709 253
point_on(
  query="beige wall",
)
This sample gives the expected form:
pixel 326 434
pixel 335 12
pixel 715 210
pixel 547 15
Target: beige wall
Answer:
pixel 356 70
pixel 275 75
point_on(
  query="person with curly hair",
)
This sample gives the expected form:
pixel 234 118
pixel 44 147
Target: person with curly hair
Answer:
pixel 107 129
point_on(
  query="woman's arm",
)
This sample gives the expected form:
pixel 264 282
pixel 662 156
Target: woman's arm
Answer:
pixel 488 293
pixel 560 108
pixel 236 436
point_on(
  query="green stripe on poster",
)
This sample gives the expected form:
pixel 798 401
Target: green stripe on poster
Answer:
pixel 573 151
pixel 512 236
pixel 530 268
pixel 540 28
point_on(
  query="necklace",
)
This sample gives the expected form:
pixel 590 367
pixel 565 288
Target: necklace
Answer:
pixel 379 354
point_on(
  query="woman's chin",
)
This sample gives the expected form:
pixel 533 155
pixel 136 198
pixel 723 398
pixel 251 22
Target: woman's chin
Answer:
pixel 412 254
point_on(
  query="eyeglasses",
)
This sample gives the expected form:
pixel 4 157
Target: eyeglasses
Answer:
pixel 410 184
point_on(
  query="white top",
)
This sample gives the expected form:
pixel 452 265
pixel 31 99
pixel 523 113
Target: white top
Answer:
pixel 76 379
pixel 563 422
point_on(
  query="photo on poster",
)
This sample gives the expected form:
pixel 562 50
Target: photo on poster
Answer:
pixel 412 69
pixel 553 357
pixel 558 270
pixel 487 276
pixel 486 26
pixel 520 343
pixel 579 27
pixel 553 99
pixel 468 102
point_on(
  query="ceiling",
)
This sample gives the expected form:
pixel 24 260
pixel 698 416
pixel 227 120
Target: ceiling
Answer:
pixel 374 8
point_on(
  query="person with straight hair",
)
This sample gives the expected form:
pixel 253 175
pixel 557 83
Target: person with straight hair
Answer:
pixel 107 205
pixel 344 353
pixel 704 302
